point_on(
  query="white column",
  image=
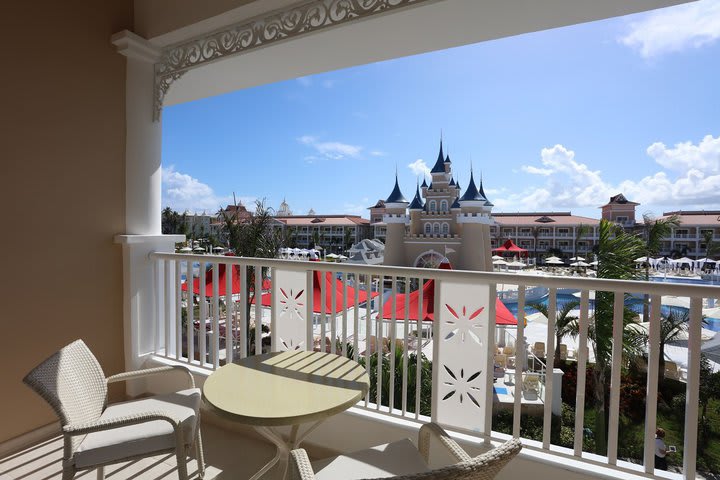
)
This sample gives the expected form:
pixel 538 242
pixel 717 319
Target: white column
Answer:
pixel 142 204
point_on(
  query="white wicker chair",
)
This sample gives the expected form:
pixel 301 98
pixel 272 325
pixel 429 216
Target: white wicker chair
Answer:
pixel 95 434
pixel 402 461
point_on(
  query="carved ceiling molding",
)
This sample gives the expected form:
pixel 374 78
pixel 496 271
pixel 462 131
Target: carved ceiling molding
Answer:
pixel 262 31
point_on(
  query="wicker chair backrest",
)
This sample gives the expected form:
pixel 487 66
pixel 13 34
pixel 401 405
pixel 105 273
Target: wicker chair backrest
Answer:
pixel 72 382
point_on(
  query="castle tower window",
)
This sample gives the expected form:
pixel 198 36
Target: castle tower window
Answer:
pixel 443 206
pixel 428 229
pixel 445 228
pixel 433 206
pixel 436 228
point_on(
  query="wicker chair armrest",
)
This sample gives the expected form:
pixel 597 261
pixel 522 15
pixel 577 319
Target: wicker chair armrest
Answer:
pixel 300 468
pixel 121 377
pixel 110 423
pixel 434 430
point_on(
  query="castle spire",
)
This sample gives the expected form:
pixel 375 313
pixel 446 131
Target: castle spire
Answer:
pixel 396 196
pixel 439 166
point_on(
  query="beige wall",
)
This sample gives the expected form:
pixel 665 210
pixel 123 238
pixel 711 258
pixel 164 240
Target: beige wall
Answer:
pixel 62 191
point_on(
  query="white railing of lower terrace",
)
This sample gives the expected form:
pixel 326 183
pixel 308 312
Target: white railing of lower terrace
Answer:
pixel 461 373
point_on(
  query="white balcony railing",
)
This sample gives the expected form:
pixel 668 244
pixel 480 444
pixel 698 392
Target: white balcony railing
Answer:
pixel 209 333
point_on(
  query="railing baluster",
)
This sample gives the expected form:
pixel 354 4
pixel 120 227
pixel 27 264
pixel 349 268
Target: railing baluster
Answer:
pixel 345 313
pixel 490 361
pixel 652 383
pixel 406 335
pixel 356 317
pixel 520 354
pixel 333 315
pixel 169 304
pixel 582 356
pixel 379 342
pixel 323 311
pixel 159 293
pixel 274 338
pixel 368 330
pixel 258 309
pixel 309 313
pixel 418 351
pixel 202 321
pixel 178 309
pixel 391 383
pixel 216 315
pixel 692 393
pixel 229 304
pixel 190 327
pixel 549 362
pixel 614 417
pixel 244 312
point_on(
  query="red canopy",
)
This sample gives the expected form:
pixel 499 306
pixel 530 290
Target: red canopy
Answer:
pixel 502 314
pixel 330 286
pixel 222 282
pixel 509 246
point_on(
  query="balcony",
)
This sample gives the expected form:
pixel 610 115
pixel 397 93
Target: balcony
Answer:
pixel 177 336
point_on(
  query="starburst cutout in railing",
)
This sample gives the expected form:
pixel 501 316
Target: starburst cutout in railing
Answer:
pixel 464 324
pixel 290 344
pixel 462 386
pixel 290 303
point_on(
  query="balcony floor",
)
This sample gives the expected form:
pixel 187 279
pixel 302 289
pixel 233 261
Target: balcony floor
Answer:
pixel 227 455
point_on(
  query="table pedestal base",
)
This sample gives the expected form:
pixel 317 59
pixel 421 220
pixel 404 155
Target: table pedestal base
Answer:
pixel 283 447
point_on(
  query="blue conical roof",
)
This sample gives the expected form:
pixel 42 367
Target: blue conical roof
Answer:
pixel 396 196
pixel 452 182
pixel 456 204
pixel 417 203
pixel 472 193
pixel 440 162
pixel 482 192
pixel 424 183
pixel 447 158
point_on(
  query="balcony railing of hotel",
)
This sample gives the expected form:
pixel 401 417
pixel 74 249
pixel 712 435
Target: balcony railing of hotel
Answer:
pixel 460 341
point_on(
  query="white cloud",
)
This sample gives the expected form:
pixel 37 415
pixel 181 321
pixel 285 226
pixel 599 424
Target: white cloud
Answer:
pixel 182 193
pixel 420 168
pixel 331 150
pixel 378 153
pixel 705 156
pixel 570 184
pixel 304 81
pixel 675 29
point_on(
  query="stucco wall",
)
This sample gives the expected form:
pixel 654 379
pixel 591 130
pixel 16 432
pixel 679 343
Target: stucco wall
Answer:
pixel 62 191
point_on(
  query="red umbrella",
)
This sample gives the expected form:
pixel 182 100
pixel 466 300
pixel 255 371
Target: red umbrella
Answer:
pixel 509 246
pixel 222 282
pixel 330 285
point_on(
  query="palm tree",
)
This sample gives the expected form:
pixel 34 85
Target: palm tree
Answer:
pixel 616 252
pixel 710 247
pixel 251 238
pixel 655 230
pixel 535 232
pixel 581 231
pixel 565 324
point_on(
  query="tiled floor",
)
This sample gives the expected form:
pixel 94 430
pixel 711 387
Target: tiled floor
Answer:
pixel 228 455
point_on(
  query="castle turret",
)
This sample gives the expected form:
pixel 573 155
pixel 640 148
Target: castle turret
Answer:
pixel 475 221
pixel 395 218
pixel 416 208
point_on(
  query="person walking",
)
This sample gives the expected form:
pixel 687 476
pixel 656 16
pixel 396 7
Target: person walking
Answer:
pixel 660 450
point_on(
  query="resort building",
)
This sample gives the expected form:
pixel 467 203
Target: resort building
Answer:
pixel 334 233
pixel 440 222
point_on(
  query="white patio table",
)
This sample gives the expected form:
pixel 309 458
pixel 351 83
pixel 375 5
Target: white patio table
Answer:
pixel 285 389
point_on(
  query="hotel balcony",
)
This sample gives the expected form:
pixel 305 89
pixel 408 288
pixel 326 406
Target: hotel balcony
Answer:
pixel 213 332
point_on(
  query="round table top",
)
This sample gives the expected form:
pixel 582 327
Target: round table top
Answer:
pixel 285 388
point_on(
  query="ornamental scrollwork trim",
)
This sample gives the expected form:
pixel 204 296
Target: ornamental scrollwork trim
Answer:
pixel 299 20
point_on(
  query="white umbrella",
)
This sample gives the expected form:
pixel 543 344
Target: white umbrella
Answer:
pixel 331 255
pixel 198 249
pixel 554 261
pixel 594 263
pixel 580 264
pixel 218 248
pixel 577 259
pixel 641 260
pixel 497 257
pixel 515 264
pixel 342 257
pixel 684 260
pixel 500 262
pixel 186 249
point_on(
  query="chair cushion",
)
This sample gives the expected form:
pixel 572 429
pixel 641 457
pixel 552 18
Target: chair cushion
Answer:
pixel 389 460
pixel 116 444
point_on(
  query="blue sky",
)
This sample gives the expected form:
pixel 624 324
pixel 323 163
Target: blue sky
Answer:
pixel 555 120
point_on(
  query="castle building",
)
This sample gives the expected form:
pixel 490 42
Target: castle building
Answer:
pixel 440 222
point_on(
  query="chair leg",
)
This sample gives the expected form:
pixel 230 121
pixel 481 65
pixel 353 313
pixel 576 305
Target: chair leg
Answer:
pixel 199 454
pixel 180 455
pixel 101 473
